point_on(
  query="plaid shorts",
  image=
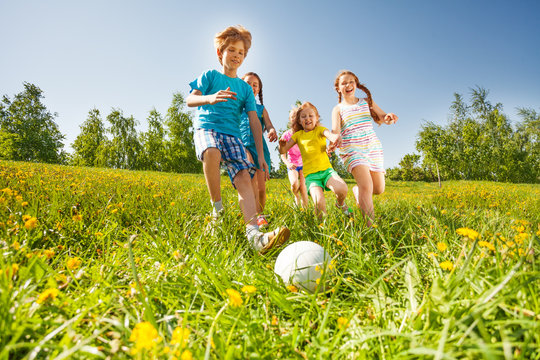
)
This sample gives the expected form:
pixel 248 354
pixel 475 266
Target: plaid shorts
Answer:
pixel 233 152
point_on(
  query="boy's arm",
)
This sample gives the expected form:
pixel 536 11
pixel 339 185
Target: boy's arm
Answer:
pixel 256 129
pixel 272 135
pixel 196 98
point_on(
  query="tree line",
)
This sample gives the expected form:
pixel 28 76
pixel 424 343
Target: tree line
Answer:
pixel 479 142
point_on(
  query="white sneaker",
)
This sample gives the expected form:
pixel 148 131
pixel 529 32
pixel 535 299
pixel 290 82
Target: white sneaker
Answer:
pixel 263 242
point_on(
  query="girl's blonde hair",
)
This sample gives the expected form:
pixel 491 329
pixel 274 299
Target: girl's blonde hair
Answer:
pixel 359 86
pixel 294 115
pixel 251 73
pixel 230 35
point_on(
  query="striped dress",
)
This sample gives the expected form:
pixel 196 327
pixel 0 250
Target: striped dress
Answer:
pixel 360 145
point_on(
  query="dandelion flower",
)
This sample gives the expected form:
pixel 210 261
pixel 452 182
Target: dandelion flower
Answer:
pixel 486 244
pixel 292 288
pixel 77 217
pixel 446 265
pixel 180 336
pixel 442 246
pixel 31 223
pixel 48 253
pixel 342 323
pixel 145 336
pixel 186 355
pixel 24 203
pixel 234 298
pixel 49 294
pixel 73 263
pixel 471 234
pixel 249 289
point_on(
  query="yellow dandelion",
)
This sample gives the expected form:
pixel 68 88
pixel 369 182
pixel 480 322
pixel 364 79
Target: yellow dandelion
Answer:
pixel 249 289
pixel 234 298
pixel 342 323
pixel 31 223
pixel 172 203
pixel 180 336
pixel 114 211
pixel 24 203
pixel 186 355
pixel 47 295
pixel 446 265
pixel 432 254
pixel 292 288
pixel 486 244
pixel 469 233
pixel 441 246
pixel 274 320
pixel 7 191
pixel 16 245
pixel 48 253
pixel 77 217
pixel 145 336
pixel 73 263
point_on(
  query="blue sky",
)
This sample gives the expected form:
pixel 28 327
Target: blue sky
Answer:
pixel 412 55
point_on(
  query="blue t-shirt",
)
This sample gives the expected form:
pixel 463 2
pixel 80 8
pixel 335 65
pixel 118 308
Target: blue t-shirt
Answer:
pixel 223 117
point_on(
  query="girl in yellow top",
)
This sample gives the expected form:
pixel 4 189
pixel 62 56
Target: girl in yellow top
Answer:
pixel 311 140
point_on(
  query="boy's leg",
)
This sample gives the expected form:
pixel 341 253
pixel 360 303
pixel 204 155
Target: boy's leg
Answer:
pixel 211 160
pixel 246 197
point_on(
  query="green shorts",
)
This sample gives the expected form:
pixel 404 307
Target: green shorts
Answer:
pixel 320 178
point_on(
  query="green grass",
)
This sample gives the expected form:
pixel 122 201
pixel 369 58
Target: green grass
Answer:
pixel 146 257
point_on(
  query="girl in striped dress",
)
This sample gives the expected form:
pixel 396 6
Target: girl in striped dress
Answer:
pixel 360 149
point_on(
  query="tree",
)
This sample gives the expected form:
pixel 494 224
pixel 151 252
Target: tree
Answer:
pixel 27 129
pixel 87 144
pixel 181 148
pixel 124 146
pixel 153 154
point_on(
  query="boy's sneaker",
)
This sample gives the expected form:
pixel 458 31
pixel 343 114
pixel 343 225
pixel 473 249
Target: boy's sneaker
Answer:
pixel 261 221
pixel 345 209
pixel 275 239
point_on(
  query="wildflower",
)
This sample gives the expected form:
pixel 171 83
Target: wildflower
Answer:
pixel 292 288
pixel 446 265
pixel 234 298
pixel 176 254
pixel 145 336
pixel 249 289
pixel 342 323
pixel 180 336
pixel 114 211
pixel 432 254
pixel 7 191
pixel 73 263
pixel 471 234
pixel 24 203
pixel 443 211
pixel 519 238
pixel 30 223
pixel 442 246
pixel 186 355
pixel 98 234
pixel 486 244
pixel 274 320
pixel 16 245
pixel 77 217
pixel 172 203
pixel 48 253
pixel 49 294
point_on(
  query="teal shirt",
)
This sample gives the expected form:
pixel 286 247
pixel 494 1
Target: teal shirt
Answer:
pixel 223 117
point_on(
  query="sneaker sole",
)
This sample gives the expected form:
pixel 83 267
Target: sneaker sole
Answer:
pixel 278 240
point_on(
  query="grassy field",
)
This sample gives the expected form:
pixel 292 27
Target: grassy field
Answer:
pixel 115 264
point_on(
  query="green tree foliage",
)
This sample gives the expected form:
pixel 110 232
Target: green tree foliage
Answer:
pixel 180 148
pixel 89 143
pixel 410 169
pixel 27 129
pixel 479 142
pixel 153 142
pixel 124 147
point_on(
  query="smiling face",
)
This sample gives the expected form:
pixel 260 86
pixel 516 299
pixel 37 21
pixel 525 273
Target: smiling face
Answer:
pixel 308 119
pixel 232 57
pixel 253 81
pixel 347 85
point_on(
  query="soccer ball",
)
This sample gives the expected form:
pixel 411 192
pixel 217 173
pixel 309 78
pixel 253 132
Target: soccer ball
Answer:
pixel 301 264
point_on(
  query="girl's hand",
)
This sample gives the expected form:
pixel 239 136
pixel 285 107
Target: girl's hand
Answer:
pixel 282 143
pixel 272 135
pixel 221 96
pixel 390 118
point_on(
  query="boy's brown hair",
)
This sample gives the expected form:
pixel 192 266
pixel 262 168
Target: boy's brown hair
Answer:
pixel 230 35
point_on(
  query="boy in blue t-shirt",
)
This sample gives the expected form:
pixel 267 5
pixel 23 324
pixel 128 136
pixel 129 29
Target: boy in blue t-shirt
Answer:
pixel 220 98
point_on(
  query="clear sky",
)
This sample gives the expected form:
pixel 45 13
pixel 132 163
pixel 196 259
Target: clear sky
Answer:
pixel 412 55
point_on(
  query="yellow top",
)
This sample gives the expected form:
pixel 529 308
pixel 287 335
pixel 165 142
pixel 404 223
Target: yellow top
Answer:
pixel 312 145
